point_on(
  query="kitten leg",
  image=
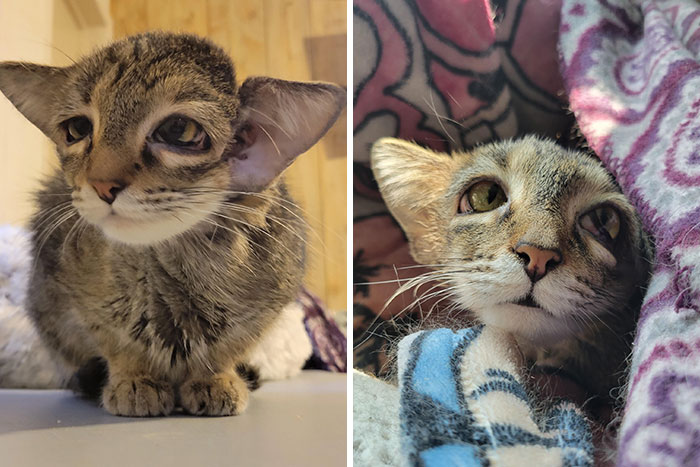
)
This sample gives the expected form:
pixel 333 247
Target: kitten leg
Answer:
pixel 133 393
pixel 224 393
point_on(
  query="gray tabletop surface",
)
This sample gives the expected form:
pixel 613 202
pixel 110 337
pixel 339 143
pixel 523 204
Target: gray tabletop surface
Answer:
pixel 297 422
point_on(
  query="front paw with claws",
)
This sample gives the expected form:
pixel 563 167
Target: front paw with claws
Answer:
pixel 222 394
pixel 138 396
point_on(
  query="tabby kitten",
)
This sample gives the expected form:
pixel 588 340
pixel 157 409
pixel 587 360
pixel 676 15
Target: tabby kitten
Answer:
pixel 166 244
pixel 531 238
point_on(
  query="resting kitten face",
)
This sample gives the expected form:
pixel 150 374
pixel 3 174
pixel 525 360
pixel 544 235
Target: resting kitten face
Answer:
pixel 532 238
pixel 151 130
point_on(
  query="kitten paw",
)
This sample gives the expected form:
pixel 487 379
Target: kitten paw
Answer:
pixel 138 397
pixel 222 394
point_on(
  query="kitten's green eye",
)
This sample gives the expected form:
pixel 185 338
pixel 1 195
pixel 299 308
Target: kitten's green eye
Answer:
pixel 481 197
pixel 182 132
pixel 77 128
pixel 602 222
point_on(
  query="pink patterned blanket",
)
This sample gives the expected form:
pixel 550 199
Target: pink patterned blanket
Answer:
pixel 447 74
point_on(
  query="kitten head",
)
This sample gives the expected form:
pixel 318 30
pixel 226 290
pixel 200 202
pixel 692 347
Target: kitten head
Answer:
pixel 532 238
pixel 153 132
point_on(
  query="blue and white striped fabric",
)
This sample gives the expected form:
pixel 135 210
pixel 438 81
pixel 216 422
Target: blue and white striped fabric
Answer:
pixel 463 404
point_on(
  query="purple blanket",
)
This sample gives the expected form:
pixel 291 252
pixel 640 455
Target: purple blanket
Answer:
pixel 632 72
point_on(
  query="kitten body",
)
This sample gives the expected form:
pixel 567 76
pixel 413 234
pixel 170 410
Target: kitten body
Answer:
pixel 538 263
pixel 167 243
pixel 177 311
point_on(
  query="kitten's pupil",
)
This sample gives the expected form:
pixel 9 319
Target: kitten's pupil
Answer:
pixel 610 220
pixel 178 129
pixel 182 132
pixel 482 196
pixel 77 128
pixel 493 192
pixel 603 222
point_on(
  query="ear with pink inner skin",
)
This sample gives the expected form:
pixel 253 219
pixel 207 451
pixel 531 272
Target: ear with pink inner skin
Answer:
pixel 33 90
pixel 282 119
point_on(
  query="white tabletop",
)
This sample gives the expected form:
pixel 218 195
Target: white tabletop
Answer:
pixel 297 422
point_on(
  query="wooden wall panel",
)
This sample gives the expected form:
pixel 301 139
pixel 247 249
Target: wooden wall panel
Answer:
pixel 272 37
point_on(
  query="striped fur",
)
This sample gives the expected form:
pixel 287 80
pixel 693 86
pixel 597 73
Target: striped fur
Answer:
pixel 174 281
pixel 586 305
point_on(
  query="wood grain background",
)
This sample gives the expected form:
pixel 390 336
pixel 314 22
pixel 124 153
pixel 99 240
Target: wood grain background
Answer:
pixel 290 39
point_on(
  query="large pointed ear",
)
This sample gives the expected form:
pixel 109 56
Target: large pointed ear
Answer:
pixel 282 119
pixel 32 89
pixel 413 181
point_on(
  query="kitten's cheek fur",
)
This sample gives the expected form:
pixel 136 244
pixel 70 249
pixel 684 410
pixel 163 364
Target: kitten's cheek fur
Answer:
pixel 476 290
pixel 603 254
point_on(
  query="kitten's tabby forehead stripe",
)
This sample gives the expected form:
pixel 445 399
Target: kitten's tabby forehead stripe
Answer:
pixel 119 73
pixel 193 69
pixel 498 156
pixel 153 57
pixel 136 51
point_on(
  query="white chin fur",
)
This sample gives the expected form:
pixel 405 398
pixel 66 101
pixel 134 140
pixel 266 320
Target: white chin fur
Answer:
pixel 533 324
pixel 144 232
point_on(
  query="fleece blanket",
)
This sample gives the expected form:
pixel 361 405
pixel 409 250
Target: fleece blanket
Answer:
pixel 449 74
pixel 464 403
pixel 632 71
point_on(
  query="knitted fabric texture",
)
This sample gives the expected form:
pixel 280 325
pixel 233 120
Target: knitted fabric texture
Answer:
pixel 633 76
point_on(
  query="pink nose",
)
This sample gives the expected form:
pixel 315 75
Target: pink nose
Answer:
pixel 107 191
pixel 538 261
